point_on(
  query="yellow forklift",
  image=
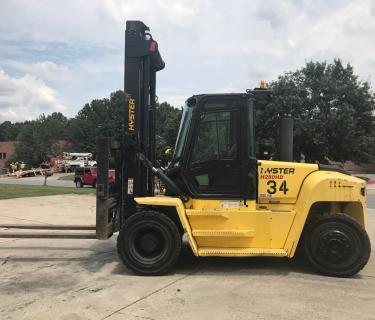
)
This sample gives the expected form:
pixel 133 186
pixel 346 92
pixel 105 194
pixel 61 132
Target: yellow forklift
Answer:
pixel 226 201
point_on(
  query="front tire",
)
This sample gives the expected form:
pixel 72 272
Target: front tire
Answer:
pixel 149 244
pixel 337 245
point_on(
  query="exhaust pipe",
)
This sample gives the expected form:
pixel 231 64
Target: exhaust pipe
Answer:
pixel 286 139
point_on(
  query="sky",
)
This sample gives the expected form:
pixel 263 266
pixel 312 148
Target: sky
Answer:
pixel 58 55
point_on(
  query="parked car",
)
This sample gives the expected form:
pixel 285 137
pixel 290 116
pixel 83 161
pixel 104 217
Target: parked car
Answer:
pixel 87 176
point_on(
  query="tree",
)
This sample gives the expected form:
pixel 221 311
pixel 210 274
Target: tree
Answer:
pixel 28 147
pixel 101 117
pixel 9 131
pixel 104 117
pixel 333 113
pixel 37 138
pixel 167 124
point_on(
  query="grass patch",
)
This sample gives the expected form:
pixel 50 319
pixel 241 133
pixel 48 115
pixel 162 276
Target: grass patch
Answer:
pixel 10 191
pixel 69 177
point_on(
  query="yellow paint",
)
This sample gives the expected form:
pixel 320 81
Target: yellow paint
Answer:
pixel 273 225
pixel 280 182
pixel 326 186
pixel 131 107
pixel 241 252
pixel 241 227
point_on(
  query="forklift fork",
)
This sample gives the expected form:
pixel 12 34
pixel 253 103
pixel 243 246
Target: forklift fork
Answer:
pixel 106 214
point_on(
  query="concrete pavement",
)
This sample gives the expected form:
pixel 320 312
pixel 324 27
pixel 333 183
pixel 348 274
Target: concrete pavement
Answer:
pixel 84 279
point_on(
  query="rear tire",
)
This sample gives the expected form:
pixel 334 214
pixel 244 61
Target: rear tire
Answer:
pixel 149 244
pixel 336 245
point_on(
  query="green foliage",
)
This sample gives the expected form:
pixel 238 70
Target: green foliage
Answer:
pixel 167 124
pixel 37 139
pixel 101 117
pixel 333 113
pixel 9 131
pixel 11 191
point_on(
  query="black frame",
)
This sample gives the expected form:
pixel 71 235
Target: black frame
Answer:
pixel 229 163
pixel 247 165
pixel 142 61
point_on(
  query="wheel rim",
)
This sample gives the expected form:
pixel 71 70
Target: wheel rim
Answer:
pixel 335 246
pixel 148 244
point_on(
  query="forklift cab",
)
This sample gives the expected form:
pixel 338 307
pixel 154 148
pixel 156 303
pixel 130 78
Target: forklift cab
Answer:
pixel 215 150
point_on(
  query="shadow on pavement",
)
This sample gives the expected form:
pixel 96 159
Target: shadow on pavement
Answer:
pixel 188 264
pixel 102 253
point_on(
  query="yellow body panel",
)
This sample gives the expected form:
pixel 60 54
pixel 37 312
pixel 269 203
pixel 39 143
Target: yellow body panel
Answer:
pixel 332 187
pixel 240 225
pixel 280 182
pixel 273 225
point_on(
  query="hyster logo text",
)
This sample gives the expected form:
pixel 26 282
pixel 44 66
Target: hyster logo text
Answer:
pixel 131 114
pixel 277 170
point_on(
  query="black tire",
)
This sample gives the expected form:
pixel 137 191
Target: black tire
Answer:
pixel 94 184
pixel 79 183
pixel 149 244
pixel 336 245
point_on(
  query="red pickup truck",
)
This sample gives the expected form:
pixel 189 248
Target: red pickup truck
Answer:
pixel 87 176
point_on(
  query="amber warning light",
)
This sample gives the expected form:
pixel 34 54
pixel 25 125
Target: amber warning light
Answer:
pixel 262 84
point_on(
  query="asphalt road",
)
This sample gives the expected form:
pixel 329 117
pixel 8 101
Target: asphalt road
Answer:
pixel 39 181
pixel 371 201
pixel 83 279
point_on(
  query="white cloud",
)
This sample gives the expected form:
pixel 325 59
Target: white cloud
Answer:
pixel 90 22
pixel 26 98
pixel 48 71
pixel 76 48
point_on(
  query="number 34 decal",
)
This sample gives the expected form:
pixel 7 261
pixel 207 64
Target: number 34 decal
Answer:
pixel 273 186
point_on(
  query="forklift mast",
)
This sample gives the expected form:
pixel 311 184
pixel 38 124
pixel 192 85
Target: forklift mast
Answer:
pixel 133 178
pixel 142 61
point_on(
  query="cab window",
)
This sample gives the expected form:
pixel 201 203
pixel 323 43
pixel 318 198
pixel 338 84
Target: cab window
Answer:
pixel 216 137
